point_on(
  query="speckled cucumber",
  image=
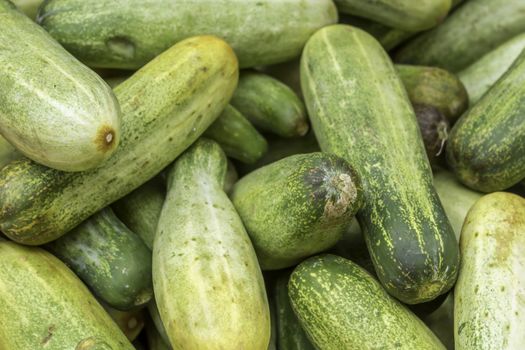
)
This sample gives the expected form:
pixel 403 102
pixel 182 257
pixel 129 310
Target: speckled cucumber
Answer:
pixel 323 193
pixel 341 306
pixel 486 148
pixel 360 111
pixel 7 152
pixel 208 285
pixel 475 28
pixel 131 322
pixel 131 33
pixel 113 261
pixel 166 106
pixel 489 311
pixel 45 306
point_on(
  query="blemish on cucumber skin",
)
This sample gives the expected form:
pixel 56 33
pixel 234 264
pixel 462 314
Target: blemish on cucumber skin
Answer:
pixel 121 46
pixel 106 138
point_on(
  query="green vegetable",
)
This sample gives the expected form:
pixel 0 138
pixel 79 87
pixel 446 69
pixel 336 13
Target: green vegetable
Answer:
pixel 155 317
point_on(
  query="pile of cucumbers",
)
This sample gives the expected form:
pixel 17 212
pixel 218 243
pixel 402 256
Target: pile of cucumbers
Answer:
pixel 262 174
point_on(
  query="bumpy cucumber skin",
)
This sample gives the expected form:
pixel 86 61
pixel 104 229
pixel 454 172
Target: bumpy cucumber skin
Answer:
pixel 486 149
pixel 53 109
pixel 489 311
pixel 128 34
pixel 208 285
pixel 475 28
pixel 44 305
pixel 341 306
pixel 166 106
pixel 323 193
pixel 360 111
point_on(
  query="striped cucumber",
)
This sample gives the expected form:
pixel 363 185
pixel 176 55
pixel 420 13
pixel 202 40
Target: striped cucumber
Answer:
pixel 208 284
pixel 131 322
pixel 166 105
pixel 360 111
pixel 486 149
pixel 489 311
pixel 45 306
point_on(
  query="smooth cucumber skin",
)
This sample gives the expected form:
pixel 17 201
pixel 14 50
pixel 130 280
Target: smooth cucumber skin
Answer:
pixel 360 111
pixel 208 285
pixel 166 106
pixel 270 105
pixel 486 148
pixel 341 306
pixel 53 109
pixel 129 33
pixel 45 306
pixel 322 194
pixel 475 28
pixel 489 311
pixel 113 261
pixel 7 152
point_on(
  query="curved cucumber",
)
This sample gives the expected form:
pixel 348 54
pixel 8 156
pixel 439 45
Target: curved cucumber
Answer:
pixel 489 310
pixel 44 305
pixel 208 284
pixel 166 105
pixel 7 152
pixel 53 109
pixel 323 193
pixel 360 111
pixel 131 322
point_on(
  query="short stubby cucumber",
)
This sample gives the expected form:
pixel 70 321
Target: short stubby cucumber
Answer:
pixel 166 106
pixel 208 285
pixel 323 193
pixel 128 34
pixel 45 306
pixel 489 311
pixel 53 109
pixel 360 111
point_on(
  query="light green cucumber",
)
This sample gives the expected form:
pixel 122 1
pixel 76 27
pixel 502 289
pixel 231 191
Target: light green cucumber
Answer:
pixel 360 111
pixel 7 152
pixel 297 206
pixel 131 322
pixel 489 311
pixel 208 285
pixel 53 109
pixel 166 106
pixel 45 306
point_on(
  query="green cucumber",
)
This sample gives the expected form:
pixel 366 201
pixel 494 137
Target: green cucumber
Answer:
pixel 441 322
pixel 489 311
pixel 208 284
pixel 113 261
pixel 323 193
pixel 129 34
pixel 7 152
pixel 166 106
pixel 341 306
pixel 270 105
pixel 155 318
pixel 45 306
pixel 28 7
pixel 475 28
pixel 231 177
pixel 53 109
pixel 486 148
pixel 482 74
pixel 360 111
pixel 130 322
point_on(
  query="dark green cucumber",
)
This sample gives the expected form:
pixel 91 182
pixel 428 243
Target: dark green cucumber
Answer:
pixel 360 111
pixel 486 148
pixel 341 306
pixel 7 152
pixel 323 193
pixel 113 261
pixel 130 322
pixel 166 106
pixel 475 28
pixel 270 105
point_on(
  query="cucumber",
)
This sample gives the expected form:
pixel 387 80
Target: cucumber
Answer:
pixel 231 177
pixel 166 105
pixel 441 322
pixel 341 306
pixel 113 261
pixel 360 111
pixel 28 7
pixel 490 309
pixel 208 287
pixel 113 82
pixel 270 105
pixel 486 148
pixel 53 109
pixel 482 74
pixel 7 152
pixel 323 193
pixel 155 318
pixel 44 305
pixel 130 322
pixel 475 28
pixel 128 34
pixel 155 341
